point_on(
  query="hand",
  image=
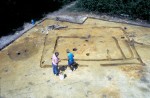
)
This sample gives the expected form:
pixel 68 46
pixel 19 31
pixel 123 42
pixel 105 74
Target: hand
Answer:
pixel 59 60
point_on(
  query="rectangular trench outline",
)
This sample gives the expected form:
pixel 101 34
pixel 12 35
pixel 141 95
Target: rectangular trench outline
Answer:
pixel 83 37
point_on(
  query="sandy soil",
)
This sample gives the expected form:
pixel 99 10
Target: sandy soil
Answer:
pixel 113 60
pixel 110 65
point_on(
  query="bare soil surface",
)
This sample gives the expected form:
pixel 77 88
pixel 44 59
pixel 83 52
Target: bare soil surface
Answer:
pixel 113 59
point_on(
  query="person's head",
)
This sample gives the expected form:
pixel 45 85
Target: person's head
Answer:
pixel 67 50
pixel 56 53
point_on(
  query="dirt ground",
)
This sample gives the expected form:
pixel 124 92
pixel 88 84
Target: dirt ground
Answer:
pixel 113 61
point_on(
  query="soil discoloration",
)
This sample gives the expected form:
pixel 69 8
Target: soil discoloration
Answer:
pixel 22 50
pixel 132 70
pixel 30 83
pixel 110 92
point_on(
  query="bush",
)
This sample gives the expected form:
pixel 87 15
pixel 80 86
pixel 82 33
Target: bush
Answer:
pixel 64 2
pixel 142 10
pixel 134 8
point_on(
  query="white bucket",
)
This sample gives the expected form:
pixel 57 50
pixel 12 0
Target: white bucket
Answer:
pixel 61 76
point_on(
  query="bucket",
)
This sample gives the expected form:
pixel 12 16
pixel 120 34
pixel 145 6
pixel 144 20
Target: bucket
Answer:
pixel 32 22
pixel 61 76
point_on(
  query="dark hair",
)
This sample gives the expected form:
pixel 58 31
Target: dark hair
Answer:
pixel 56 53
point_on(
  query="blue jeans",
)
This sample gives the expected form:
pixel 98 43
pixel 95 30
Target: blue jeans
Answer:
pixel 70 62
pixel 55 69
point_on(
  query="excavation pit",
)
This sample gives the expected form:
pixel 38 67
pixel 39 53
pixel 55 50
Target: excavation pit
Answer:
pixel 109 62
pixel 99 41
pixel 22 50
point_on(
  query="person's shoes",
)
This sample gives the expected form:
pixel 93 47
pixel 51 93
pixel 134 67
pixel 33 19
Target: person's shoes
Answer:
pixel 57 74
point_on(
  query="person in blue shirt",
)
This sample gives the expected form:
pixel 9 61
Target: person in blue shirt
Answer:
pixel 70 59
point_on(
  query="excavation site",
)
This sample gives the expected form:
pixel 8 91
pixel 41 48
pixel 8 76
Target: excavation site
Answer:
pixel 112 60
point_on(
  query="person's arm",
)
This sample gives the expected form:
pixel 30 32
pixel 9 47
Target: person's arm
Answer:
pixel 59 60
pixel 67 56
pixel 55 61
pixel 72 55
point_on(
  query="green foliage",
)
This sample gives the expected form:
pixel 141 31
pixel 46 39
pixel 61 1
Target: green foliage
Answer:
pixel 142 9
pixel 134 8
pixel 64 2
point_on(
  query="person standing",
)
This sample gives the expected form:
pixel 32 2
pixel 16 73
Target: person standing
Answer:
pixel 55 61
pixel 70 59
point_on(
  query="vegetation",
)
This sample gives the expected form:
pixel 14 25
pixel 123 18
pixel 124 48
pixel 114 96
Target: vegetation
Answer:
pixel 20 11
pixel 133 8
pixel 64 2
pixel 14 13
